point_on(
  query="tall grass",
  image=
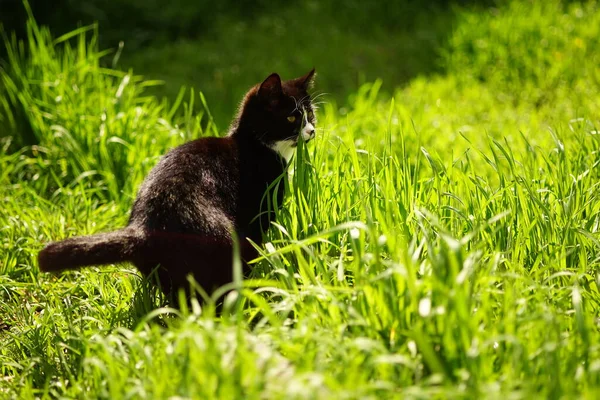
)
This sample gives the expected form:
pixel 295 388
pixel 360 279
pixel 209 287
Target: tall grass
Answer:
pixel 92 125
pixel 445 244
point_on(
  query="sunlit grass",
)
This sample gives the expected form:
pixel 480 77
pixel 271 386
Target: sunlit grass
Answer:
pixel 444 244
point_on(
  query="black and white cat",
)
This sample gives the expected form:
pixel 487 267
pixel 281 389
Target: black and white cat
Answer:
pixel 201 192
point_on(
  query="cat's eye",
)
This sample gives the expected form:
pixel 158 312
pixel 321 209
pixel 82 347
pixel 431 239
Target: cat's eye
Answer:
pixel 291 118
pixel 311 114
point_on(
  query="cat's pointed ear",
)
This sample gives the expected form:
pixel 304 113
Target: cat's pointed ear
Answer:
pixel 306 81
pixel 270 89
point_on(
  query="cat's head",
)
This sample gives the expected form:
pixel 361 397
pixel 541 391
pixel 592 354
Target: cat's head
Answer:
pixel 279 113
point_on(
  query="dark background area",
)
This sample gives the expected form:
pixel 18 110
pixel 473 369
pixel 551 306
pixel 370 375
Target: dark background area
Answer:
pixel 221 48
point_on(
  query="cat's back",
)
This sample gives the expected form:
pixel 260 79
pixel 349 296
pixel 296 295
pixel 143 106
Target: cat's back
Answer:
pixel 192 188
pixel 205 163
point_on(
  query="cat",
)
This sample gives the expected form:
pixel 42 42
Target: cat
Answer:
pixel 203 192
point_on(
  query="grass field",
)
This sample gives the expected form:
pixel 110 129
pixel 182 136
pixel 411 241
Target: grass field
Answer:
pixel 445 244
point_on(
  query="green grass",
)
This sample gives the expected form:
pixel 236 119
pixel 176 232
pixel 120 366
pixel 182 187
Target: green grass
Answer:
pixel 443 244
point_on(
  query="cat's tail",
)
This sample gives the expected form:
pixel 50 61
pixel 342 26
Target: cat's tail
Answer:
pixel 100 249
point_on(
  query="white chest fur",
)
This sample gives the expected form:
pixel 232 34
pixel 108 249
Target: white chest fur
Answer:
pixel 285 149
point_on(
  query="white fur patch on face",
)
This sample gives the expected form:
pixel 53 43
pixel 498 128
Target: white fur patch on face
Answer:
pixel 285 149
pixel 308 130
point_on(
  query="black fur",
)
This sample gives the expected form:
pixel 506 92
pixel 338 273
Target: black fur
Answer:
pixel 198 194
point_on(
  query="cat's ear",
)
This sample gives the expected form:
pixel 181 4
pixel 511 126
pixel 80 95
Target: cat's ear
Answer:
pixel 270 90
pixel 306 81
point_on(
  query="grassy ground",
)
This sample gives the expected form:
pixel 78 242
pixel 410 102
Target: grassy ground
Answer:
pixel 444 244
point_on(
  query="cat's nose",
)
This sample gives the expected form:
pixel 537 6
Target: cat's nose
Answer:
pixel 308 132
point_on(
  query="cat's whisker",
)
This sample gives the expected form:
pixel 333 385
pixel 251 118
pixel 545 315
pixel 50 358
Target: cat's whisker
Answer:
pixel 304 98
pixel 317 100
pixel 262 136
pixel 319 95
pixel 298 104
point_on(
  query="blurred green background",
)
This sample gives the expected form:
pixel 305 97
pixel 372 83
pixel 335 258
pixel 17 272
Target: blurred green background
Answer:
pixel 222 48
